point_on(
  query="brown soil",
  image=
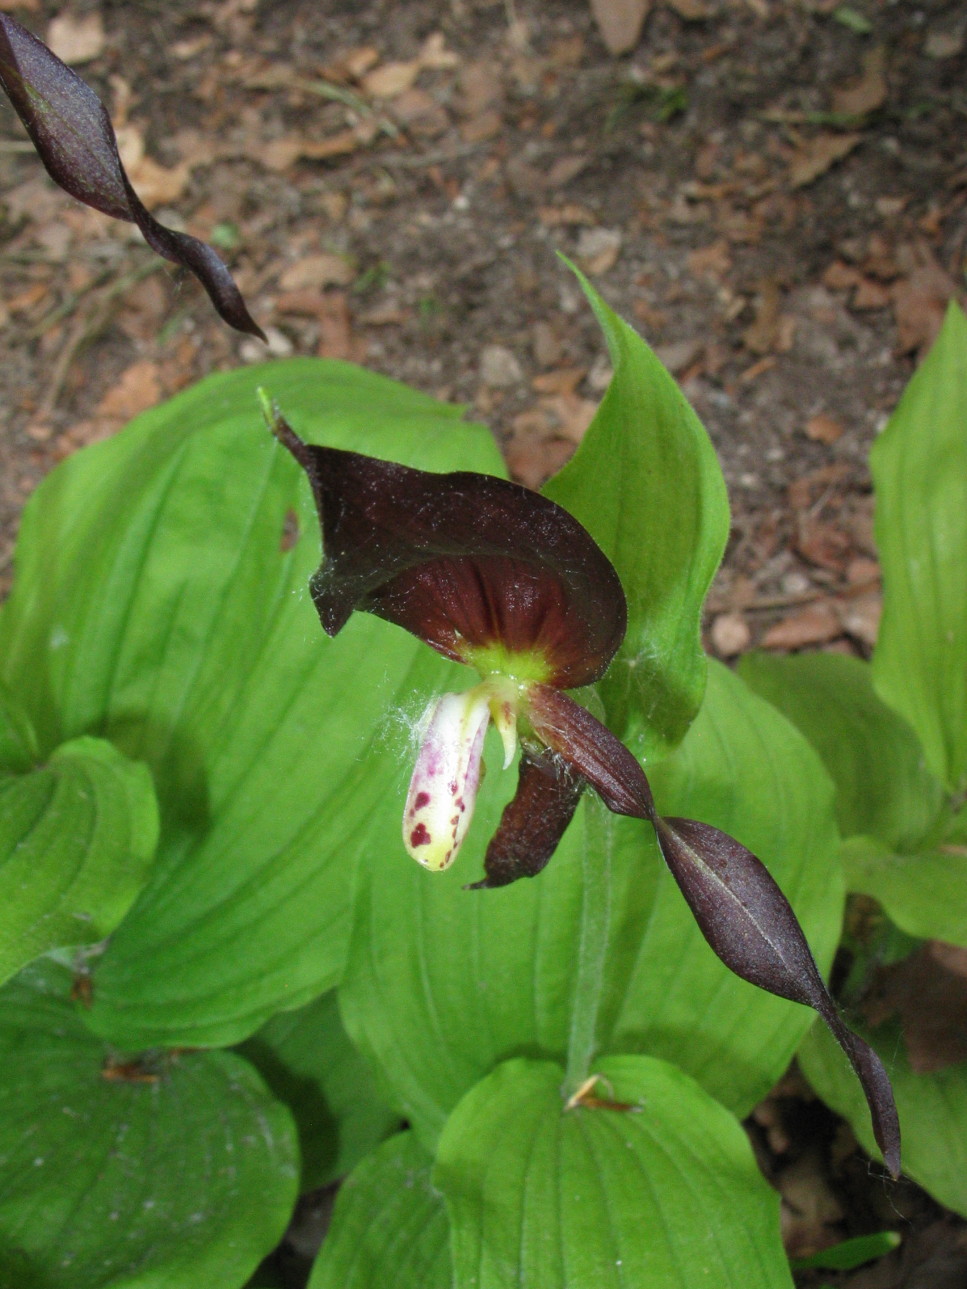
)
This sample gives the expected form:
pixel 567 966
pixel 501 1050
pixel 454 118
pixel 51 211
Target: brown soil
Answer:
pixel 774 193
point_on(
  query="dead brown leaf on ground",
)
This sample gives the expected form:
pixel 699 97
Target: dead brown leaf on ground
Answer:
pixel 813 157
pixel 76 38
pixel 919 304
pixel 814 625
pixel 620 22
pixel 868 92
pixel 928 991
pixel 137 389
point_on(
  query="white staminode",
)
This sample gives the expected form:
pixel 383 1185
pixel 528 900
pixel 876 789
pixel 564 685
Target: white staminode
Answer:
pixel 443 790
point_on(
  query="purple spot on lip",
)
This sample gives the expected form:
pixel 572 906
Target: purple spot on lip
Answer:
pixel 420 836
pixel 422 799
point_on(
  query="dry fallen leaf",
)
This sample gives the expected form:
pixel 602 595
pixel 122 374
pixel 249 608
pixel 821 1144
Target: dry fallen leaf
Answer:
pixel 870 295
pixel 928 990
pixel 761 336
pixel 815 156
pixel 919 305
pixel 138 389
pixel 816 624
pixel 564 380
pixel 534 453
pixel 336 338
pixel 822 544
pixel 314 271
pixel 435 55
pixel 282 153
pixel 76 38
pixel 598 249
pixel 620 22
pixel 823 429
pixel 714 260
pixel 390 79
pixel 861 617
pixel 868 91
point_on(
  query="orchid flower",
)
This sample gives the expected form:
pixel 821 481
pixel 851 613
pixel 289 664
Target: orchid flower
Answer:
pixel 502 579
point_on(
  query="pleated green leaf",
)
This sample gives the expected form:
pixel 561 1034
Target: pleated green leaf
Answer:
pixel 443 983
pixel 161 601
pixel 647 485
pixel 923 893
pixel 389 1226
pixel 919 466
pixel 18 743
pixel 662 1195
pixel 168 1171
pixel 307 1060
pixel 932 1108
pixel 883 786
pixel 76 840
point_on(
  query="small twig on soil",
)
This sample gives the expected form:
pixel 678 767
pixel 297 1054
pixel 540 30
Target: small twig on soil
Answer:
pixel 66 306
pixel 85 328
pixel 424 159
pixel 770 602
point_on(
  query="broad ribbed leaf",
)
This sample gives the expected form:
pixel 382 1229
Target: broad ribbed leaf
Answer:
pixel 664 1193
pixel 646 484
pixel 18 743
pixel 161 602
pixel 76 840
pixel 919 466
pixel 389 1226
pixel 883 786
pixel 464 979
pixel 71 130
pixel 933 1110
pixel 307 1060
pixel 924 893
pixel 160 1172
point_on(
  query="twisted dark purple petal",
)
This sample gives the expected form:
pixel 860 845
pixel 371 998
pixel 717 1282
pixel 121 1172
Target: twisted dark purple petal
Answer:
pixel 72 133
pixel 750 924
pixel 592 750
pixel 533 823
pixel 461 560
pixel 741 911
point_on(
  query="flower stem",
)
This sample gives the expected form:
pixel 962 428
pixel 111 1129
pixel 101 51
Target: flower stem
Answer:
pixel 593 946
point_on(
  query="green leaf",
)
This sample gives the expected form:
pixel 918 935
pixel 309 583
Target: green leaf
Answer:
pixel 925 893
pixel 932 1108
pixel 883 786
pixel 444 983
pixel 307 1060
pixel 919 466
pixel 18 743
pixel 665 1194
pixel 177 1170
pixel 646 484
pixel 76 841
pixel 849 1254
pixel 853 20
pixel 389 1226
pixel 159 602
